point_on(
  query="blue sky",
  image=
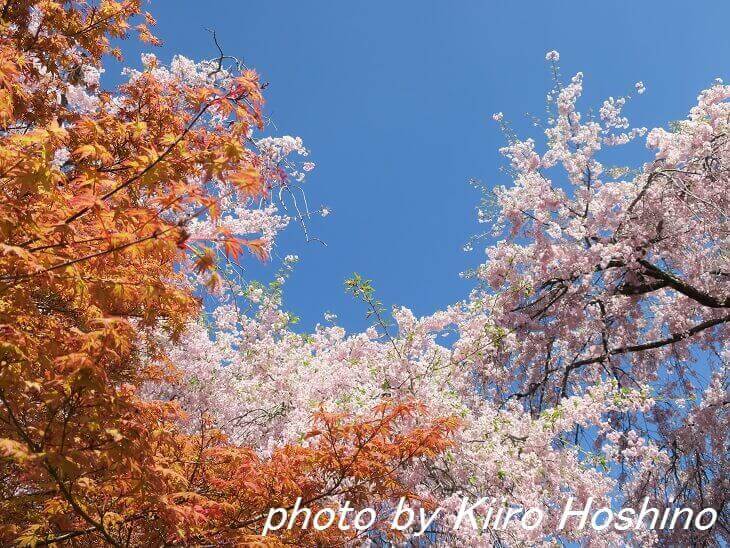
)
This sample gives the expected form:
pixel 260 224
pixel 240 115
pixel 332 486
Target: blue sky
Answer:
pixel 394 100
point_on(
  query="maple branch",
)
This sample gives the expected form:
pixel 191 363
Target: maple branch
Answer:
pixel 6 8
pixel 62 537
pixel 75 505
pixel 333 490
pixel 156 234
pixel 33 446
pixel 87 257
pixel 65 536
pixel 147 169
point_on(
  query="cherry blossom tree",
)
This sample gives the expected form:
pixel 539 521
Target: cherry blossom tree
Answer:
pixel 590 360
pixel 623 275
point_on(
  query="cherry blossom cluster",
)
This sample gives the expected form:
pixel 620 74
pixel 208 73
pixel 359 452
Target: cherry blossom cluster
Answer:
pixel 590 359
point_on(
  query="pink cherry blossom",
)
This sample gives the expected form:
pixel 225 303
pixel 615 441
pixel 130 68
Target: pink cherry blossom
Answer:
pixel 577 362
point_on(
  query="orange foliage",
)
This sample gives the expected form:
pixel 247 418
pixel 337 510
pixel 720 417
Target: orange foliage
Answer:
pixel 88 264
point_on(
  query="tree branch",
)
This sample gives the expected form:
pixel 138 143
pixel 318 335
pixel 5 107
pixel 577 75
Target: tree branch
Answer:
pixel 654 344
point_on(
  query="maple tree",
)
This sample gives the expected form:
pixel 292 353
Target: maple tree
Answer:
pixel 110 225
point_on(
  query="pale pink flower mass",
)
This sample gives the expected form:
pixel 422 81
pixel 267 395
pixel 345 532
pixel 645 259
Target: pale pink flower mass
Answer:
pixel 571 364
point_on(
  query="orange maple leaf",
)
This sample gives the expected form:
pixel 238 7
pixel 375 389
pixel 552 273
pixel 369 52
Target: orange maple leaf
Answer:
pixel 248 181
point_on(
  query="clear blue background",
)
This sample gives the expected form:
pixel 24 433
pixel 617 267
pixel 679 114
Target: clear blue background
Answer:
pixel 394 99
